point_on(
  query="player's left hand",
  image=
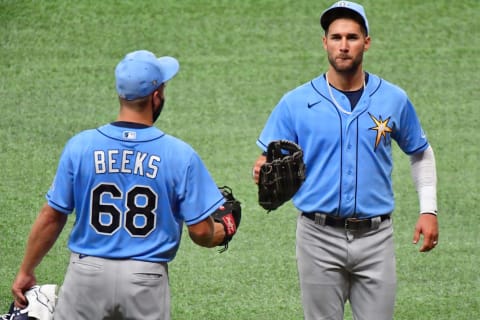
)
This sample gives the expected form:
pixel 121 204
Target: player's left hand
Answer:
pixel 229 215
pixel 427 225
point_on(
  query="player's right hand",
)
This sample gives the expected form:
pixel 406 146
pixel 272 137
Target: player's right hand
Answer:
pixel 256 167
pixel 21 284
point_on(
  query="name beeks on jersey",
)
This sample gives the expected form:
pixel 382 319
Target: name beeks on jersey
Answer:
pixel 126 161
pixel 113 208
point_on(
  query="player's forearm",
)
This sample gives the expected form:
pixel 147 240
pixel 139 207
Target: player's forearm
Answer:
pixel 425 179
pixel 45 231
pixel 218 235
pixel 207 233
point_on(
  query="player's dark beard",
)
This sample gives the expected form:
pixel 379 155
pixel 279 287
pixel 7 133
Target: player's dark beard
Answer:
pixel 156 113
pixel 346 70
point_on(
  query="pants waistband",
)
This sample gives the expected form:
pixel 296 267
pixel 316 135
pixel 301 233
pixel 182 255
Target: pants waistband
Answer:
pixel 351 224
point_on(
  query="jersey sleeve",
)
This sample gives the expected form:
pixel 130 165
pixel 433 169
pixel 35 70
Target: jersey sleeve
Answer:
pixel 200 194
pixel 410 137
pixel 278 126
pixel 60 195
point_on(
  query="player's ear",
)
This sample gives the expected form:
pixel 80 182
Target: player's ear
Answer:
pixel 159 92
pixel 367 43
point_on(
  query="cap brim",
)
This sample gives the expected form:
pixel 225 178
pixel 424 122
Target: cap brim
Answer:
pixel 169 67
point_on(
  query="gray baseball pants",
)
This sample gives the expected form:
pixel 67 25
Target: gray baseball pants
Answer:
pixel 335 265
pixel 96 288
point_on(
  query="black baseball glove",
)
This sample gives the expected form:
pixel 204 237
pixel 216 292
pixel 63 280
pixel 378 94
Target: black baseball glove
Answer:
pixel 229 214
pixel 281 175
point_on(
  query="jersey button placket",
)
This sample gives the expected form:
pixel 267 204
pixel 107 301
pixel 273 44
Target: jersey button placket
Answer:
pixel 349 161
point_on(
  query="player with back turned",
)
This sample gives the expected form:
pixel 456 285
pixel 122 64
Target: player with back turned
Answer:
pixel 345 121
pixel 132 187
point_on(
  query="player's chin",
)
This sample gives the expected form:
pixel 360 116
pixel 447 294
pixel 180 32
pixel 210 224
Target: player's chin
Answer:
pixel 345 66
pixel 344 63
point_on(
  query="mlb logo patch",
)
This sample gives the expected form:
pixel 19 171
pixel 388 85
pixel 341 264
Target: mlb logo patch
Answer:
pixel 129 135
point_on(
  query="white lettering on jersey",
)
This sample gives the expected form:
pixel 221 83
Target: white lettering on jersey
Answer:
pixel 126 162
pixel 153 166
pixel 111 161
pixel 99 160
pixel 139 163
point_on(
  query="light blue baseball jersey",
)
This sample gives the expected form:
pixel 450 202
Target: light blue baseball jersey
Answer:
pixel 348 155
pixel 131 189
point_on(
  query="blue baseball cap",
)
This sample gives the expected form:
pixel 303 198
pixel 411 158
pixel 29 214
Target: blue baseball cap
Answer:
pixel 141 72
pixel 342 9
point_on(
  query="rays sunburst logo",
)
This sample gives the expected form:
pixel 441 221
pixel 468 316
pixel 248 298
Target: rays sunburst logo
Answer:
pixel 382 128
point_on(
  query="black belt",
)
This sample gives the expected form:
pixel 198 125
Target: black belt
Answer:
pixel 352 224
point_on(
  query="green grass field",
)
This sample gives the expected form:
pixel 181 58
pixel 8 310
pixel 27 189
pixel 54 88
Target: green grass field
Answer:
pixel 237 59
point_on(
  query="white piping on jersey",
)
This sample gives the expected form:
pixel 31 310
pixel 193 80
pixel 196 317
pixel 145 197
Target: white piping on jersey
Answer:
pixel 335 102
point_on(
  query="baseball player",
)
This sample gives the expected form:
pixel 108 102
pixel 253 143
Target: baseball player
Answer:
pixel 132 187
pixel 345 120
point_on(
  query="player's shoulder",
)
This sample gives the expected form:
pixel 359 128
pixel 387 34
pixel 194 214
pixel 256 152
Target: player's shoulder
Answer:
pixel 378 85
pixel 177 149
pixel 302 94
pixel 82 136
pixel 303 88
pixel 178 144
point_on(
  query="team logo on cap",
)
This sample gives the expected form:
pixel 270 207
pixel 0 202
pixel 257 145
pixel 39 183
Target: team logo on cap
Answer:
pixel 382 128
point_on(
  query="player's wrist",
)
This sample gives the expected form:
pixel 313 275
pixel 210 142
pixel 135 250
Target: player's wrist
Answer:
pixel 220 235
pixel 432 212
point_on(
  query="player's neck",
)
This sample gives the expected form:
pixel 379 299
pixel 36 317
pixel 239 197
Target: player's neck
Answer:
pixel 346 82
pixel 128 115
